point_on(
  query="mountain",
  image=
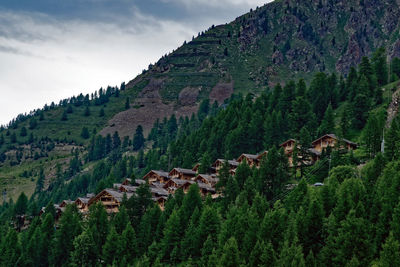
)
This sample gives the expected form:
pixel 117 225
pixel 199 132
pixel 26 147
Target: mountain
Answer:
pixel 280 41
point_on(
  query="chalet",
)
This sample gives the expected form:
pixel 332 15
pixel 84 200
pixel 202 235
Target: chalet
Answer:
pixel 182 174
pixel 160 201
pixel 58 209
pixel 207 179
pixel 64 203
pixel 172 185
pixel 110 198
pixel 251 159
pixel 158 192
pixel 288 146
pixel 116 186
pixel 331 140
pixel 138 182
pixel 127 181
pixel 205 189
pixel 196 167
pixel 156 176
pixel 127 188
pixel 82 204
pixel 233 164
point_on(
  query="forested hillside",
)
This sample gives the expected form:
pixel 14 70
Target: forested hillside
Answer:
pixel 350 220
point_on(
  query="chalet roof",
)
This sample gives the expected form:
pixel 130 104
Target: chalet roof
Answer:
pixel 288 141
pixel 158 198
pixel 206 187
pixel 184 171
pixel 139 181
pixel 249 156
pixel 196 167
pixel 181 182
pixel 117 186
pixel 210 178
pixel 159 191
pixel 159 173
pixel 127 181
pixel 66 202
pixel 336 138
pixel 117 195
pixel 231 162
pixel 129 188
pixel 315 152
pixel 84 200
pixel 260 155
pixel 90 195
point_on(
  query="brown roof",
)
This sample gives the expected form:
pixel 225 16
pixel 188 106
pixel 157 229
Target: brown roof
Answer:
pixel 140 181
pixel 84 200
pixel 336 138
pixel 184 171
pixel 129 188
pixel 210 178
pixel 159 191
pixel 288 141
pixel 117 195
pixel 231 162
pixel 206 187
pixel 159 173
pixel 249 156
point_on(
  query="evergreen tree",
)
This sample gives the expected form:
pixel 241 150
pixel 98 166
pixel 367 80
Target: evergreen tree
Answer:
pixel 127 104
pixel 85 133
pixel 112 248
pixel 138 139
pixel 327 125
pixel 230 254
pixel 84 253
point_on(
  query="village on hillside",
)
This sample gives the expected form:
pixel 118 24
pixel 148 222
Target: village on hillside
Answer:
pixel 162 184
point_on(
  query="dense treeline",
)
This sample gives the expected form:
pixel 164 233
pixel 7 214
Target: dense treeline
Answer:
pixel 351 220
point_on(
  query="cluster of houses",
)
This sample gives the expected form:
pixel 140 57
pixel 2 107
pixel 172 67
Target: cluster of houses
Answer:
pixel 162 184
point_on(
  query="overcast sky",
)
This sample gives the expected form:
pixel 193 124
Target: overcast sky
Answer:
pixel 54 49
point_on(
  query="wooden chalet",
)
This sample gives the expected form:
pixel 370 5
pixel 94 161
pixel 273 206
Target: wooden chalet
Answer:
pixel 156 176
pixel 138 182
pixel 288 146
pixel 233 164
pixel 82 204
pixel 174 184
pixel 205 189
pixel 182 174
pixel 58 209
pixel 127 188
pixel 160 201
pixel 207 179
pixel 331 140
pixel 158 192
pixel 110 198
pixel 252 160
pixel 64 203
pixel 196 167
pixel 127 181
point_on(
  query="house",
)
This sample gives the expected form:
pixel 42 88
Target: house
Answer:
pixel 332 140
pixel 288 146
pixel 127 188
pixel 250 159
pixel 196 167
pixel 64 203
pixel 156 176
pixel 205 189
pixel 139 182
pixel 127 181
pixel 160 201
pixel 82 204
pixel 174 184
pixel 110 198
pixel 233 164
pixel 207 179
pixel 182 174
pixel 158 192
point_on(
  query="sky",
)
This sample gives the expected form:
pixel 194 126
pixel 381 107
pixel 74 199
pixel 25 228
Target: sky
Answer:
pixel 55 49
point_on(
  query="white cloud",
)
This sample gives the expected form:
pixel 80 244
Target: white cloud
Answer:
pixel 44 60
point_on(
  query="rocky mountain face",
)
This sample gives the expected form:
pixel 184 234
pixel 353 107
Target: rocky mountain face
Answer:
pixel 279 41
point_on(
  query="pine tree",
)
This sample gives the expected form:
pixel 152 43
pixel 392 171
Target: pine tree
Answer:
pixel 87 112
pixel 112 248
pixel 328 124
pixel 85 133
pixel 138 139
pixel 85 249
pixel 230 254
pixel 390 253
pixel 127 104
